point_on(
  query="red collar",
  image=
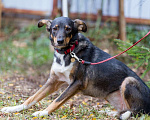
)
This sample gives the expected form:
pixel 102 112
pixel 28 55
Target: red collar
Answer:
pixel 67 50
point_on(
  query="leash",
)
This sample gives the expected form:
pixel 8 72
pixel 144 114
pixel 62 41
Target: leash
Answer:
pixel 73 55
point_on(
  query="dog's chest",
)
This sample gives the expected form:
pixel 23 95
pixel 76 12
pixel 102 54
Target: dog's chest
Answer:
pixel 62 71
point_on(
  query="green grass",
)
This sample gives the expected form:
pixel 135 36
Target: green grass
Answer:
pixel 81 112
pixel 28 48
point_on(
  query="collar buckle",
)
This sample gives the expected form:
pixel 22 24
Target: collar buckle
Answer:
pixel 73 55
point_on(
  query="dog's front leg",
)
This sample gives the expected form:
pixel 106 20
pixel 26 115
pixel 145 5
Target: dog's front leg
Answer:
pixel 49 87
pixel 68 93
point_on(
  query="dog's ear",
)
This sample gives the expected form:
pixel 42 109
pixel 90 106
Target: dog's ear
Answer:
pixel 46 22
pixel 80 25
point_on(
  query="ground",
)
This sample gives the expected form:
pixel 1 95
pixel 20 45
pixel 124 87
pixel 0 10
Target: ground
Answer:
pixel 15 90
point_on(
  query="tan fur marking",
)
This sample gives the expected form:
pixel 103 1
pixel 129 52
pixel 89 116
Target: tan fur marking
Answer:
pixel 55 40
pixel 66 26
pixel 49 87
pixel 67 39
pixel 79 21
pixel 44 21
pixel 80 27
pixel 72 72
pixel 52 36
pixel 123 88
pixel 67 94
pixel 56 25
pixel 55 105
pixel 122 93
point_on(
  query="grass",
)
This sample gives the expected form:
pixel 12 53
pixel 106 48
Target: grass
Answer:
pixel 29 47
pixel 82 112
pixel 31 54
pixel 78 107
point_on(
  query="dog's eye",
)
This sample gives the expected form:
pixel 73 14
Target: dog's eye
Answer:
pixel 55 28
pixel 68 28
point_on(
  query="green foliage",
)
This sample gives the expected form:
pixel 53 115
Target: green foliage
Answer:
pixel 148 84
pixel 24 48
pixel 99 33
pixel 140 54
pixel 134 35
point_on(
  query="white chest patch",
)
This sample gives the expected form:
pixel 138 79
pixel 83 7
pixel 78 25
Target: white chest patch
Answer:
pixel 61 70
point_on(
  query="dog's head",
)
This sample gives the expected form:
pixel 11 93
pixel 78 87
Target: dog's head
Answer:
pixel 62 30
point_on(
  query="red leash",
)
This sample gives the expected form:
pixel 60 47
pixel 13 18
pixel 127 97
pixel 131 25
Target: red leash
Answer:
pixel 89 63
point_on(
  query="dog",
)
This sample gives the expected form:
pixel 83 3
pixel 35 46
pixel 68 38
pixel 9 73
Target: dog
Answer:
pixel 112 80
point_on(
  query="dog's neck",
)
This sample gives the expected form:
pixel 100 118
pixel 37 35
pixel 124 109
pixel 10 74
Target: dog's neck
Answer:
pixel 73 43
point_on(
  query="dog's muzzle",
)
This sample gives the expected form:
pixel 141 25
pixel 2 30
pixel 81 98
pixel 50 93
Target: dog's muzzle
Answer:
pixel 60 41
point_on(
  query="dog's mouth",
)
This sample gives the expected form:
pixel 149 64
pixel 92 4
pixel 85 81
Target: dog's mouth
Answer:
pixel 60 43
pixel 60 46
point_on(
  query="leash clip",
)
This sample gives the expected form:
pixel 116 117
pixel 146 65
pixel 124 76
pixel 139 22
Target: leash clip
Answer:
pixel 73 55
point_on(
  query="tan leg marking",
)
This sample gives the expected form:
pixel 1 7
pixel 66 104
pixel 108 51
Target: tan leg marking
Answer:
pixel 49 87
pixel 68 93
pixel 127 80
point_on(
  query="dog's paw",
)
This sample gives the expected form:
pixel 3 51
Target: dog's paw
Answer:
pixel 14 108
pixel 40 113
pixel 125 116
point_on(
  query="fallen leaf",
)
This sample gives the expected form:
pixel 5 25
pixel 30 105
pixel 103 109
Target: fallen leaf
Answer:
pixel 114 109
pixel 10 84
pixel 17 101
pixel 98 103
pixel 93 118
pixel 8 97
pixel 62 106
pixel 34 117
pixel 91 115
pixel 49 101
pixel 84 103
pixel 1 93
pixel 64 116
pixel 21 78
pixel 16 113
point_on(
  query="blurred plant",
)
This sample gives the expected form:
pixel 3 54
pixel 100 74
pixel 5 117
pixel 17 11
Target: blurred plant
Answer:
pixel 102 31
pixel 133 34
pixel 140 54
pixel 28 47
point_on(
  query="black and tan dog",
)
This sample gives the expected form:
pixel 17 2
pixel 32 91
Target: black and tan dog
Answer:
pixel 112 80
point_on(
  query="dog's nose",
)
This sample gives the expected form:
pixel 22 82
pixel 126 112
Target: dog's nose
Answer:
pixel 60 41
